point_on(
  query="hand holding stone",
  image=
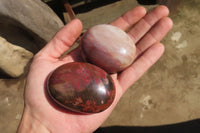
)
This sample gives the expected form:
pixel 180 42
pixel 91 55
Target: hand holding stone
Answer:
pixel 39 112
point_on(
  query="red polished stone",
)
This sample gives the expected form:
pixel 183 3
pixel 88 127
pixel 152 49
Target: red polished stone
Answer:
pixel 108 47
pixel 81 87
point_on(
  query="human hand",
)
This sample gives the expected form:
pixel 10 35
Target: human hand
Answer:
pixel 39 114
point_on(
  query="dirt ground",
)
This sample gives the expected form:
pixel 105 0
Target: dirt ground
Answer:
pixel 168 93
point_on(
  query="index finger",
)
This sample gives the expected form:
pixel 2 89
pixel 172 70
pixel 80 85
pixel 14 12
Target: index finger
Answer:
pixel 129 18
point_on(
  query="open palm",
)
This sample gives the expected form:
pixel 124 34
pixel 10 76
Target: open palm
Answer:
pixel 147 32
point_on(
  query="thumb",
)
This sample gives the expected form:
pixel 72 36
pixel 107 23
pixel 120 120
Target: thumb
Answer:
pixel 63 40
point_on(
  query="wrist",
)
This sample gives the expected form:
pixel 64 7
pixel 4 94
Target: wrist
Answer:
pixel 29 124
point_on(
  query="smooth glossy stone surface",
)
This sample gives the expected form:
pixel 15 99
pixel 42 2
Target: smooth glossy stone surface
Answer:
pixel 108 47
pixel 81 87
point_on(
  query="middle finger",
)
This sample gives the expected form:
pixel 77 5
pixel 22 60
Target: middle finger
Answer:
pixel 145 24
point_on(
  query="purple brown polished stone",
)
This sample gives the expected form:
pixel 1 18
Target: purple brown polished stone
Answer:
pixel 108 47
pixel 81 87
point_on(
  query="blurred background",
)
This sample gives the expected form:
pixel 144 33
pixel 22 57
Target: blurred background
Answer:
pixel 166 98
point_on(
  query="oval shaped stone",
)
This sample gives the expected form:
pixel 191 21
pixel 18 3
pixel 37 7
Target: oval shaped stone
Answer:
pixel 108 47
pixel 81 87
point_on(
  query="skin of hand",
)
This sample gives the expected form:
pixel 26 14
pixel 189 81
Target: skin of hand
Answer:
pixel 146 30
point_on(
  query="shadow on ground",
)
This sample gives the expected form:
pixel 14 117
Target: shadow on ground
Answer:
pixel 185 127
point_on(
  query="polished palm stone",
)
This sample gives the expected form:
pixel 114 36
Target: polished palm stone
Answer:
pixel 108 47
pixel 81 87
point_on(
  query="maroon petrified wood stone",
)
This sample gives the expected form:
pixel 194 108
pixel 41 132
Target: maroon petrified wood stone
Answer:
pixel 81 87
